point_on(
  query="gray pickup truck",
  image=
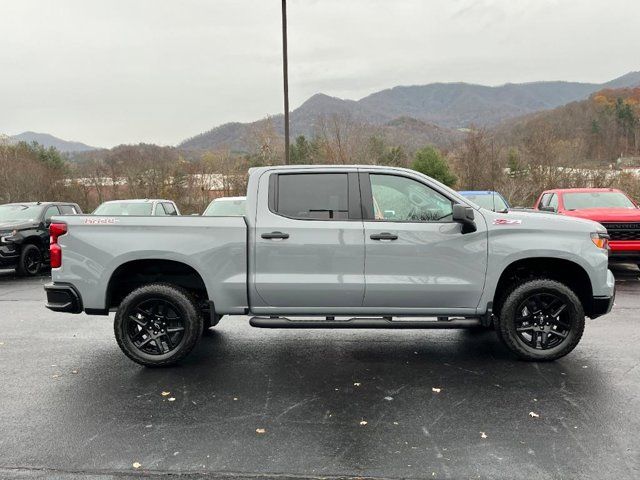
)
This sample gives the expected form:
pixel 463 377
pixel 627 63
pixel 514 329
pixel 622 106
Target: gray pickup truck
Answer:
pixel 335 247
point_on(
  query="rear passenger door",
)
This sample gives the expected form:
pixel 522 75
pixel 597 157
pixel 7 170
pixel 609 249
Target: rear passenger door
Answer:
pixel 309 241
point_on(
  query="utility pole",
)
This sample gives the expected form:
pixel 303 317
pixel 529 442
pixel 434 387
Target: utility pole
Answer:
pixel 285 73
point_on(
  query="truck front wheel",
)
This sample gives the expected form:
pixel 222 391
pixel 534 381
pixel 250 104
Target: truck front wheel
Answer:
pixel 30 261
pixel 157 325
pixel 541 320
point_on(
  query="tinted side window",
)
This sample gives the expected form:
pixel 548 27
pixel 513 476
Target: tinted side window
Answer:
pixel 67 209
pixel 402 199
pixel 159 211
pixel 169 209
pixel 319 196
pixel 51 211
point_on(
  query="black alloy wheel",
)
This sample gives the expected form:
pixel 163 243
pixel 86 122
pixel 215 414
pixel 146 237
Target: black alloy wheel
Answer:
pixel 158 324
pixel 542 321
pixel 30 261
pixel 155 326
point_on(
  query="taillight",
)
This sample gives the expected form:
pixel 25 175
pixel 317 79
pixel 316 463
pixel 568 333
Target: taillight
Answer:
pixel 55 252
pixel 600 240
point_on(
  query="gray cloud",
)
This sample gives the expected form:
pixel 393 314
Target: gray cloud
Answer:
pixel 122 71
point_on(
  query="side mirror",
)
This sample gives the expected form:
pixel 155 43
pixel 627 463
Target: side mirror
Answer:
pixel 547 209
pixel 464 215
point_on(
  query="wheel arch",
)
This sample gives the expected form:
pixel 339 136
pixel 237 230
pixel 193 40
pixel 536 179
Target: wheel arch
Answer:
pixel 135 273
pixel 568 272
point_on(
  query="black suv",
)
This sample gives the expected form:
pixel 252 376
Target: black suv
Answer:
pixel 24 233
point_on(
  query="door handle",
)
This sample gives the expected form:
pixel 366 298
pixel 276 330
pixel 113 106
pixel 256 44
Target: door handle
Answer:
pixel 383 236
pixel 272 235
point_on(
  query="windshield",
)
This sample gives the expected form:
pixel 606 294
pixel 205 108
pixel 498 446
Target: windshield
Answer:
pixel 582 200
pixel 490 202
pixel 15 213
pixel 222 208
pixel 124 208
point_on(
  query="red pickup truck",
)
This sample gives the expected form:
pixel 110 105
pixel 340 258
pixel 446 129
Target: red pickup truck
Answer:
pixel 614 209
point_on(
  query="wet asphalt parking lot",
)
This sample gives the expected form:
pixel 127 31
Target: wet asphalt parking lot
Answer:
pixel 252 403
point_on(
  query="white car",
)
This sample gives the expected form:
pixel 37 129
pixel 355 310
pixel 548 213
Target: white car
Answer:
pixel 138 207
pixel 226 206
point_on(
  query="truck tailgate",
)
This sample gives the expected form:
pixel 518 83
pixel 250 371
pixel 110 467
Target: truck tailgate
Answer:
pixel 95 246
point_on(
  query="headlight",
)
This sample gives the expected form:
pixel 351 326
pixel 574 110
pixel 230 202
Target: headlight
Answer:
pixel 600 240
pixel 6 237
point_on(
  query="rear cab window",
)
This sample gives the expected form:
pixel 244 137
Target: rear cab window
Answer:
pixel 67 210
pixel 315 196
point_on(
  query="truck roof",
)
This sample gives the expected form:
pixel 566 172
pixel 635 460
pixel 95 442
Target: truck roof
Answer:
pixel 139 200
pixel 581 190
pixel 478 192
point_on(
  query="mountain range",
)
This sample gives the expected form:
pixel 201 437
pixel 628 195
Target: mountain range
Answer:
pixel 436 113
pixel 437 110
pixel 47 141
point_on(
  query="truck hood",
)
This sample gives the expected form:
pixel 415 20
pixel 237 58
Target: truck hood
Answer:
pixel 9 226
pixel 606 214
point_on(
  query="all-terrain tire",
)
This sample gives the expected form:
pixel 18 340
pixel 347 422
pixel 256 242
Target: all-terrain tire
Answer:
pixel 573 316
pixel 183 304
pixel 30 262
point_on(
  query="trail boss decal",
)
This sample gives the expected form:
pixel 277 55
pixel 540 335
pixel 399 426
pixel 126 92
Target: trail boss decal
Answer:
pixel 507 221
pixel 100 221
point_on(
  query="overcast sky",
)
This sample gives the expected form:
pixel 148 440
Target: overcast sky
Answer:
pixel 106 72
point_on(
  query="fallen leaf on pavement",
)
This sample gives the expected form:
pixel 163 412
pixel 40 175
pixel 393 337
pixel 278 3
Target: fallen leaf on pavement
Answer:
pixel 533 415
pixel 483 435
pixel 436 390
pixel 136 465
pixel 260 431
pixel 356 384
pixel 165 394
pixel 172 399
pixel 74 371
pixel 363 422
pixel 388 399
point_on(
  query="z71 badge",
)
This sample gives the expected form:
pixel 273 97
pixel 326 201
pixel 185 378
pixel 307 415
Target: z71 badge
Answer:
pixel 507 221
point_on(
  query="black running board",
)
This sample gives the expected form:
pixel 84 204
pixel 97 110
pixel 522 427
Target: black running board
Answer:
pixel 283 322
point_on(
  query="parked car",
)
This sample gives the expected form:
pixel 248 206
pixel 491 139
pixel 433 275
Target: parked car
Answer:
pixel 369 242
pixel 226 206
pixel 24 233
pixel 138 207
pixel 488 199
pixel 614 209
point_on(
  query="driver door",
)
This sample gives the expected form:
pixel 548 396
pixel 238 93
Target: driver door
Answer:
pixel 416 256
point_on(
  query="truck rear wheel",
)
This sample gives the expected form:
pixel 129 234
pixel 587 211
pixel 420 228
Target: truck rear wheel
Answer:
pixel 541 320
pixel 157 325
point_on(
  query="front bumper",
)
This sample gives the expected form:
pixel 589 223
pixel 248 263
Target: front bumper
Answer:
pixel 624 250
pixel 63 298
pixel 601 305
pixel 9 254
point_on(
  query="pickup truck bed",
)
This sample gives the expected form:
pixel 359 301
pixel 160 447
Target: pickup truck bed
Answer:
pixel 106 254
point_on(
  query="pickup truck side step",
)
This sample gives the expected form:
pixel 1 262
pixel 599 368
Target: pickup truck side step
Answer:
pixel 379 322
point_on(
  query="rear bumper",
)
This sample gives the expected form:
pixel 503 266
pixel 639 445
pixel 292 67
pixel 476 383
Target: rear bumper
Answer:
pixel 63 298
